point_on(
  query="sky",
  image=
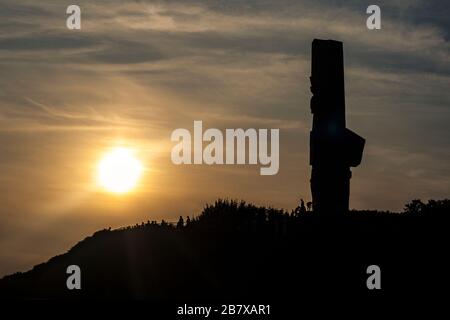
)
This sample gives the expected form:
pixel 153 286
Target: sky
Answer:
pixel 137 70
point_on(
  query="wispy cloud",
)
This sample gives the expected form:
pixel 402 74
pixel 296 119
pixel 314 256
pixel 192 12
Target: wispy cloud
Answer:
pixel 139 69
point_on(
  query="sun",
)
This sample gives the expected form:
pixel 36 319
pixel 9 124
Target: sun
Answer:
pixel 119 171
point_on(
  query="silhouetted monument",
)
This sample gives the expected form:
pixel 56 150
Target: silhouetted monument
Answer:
pixel 333 147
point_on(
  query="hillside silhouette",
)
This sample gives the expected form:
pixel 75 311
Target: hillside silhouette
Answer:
pixel 235 250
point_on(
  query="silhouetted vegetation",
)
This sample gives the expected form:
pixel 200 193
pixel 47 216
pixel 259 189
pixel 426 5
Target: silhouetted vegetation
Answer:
pixel 235 249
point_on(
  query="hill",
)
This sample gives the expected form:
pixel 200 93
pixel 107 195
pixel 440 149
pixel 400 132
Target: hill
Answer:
pixel 234 250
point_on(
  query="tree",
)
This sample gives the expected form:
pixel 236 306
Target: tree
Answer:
pixel 180 223
pixel 301 209
pixel 416 206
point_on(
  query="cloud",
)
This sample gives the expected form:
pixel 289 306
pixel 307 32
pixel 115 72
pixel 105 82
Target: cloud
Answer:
pixel 139 69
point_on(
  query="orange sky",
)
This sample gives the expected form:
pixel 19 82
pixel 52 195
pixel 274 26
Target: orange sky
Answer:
pixel 138 70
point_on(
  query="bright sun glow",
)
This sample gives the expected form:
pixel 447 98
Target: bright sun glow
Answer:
pixel 119 171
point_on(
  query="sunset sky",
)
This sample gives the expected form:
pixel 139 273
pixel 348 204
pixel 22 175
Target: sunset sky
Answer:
pixel 137 70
